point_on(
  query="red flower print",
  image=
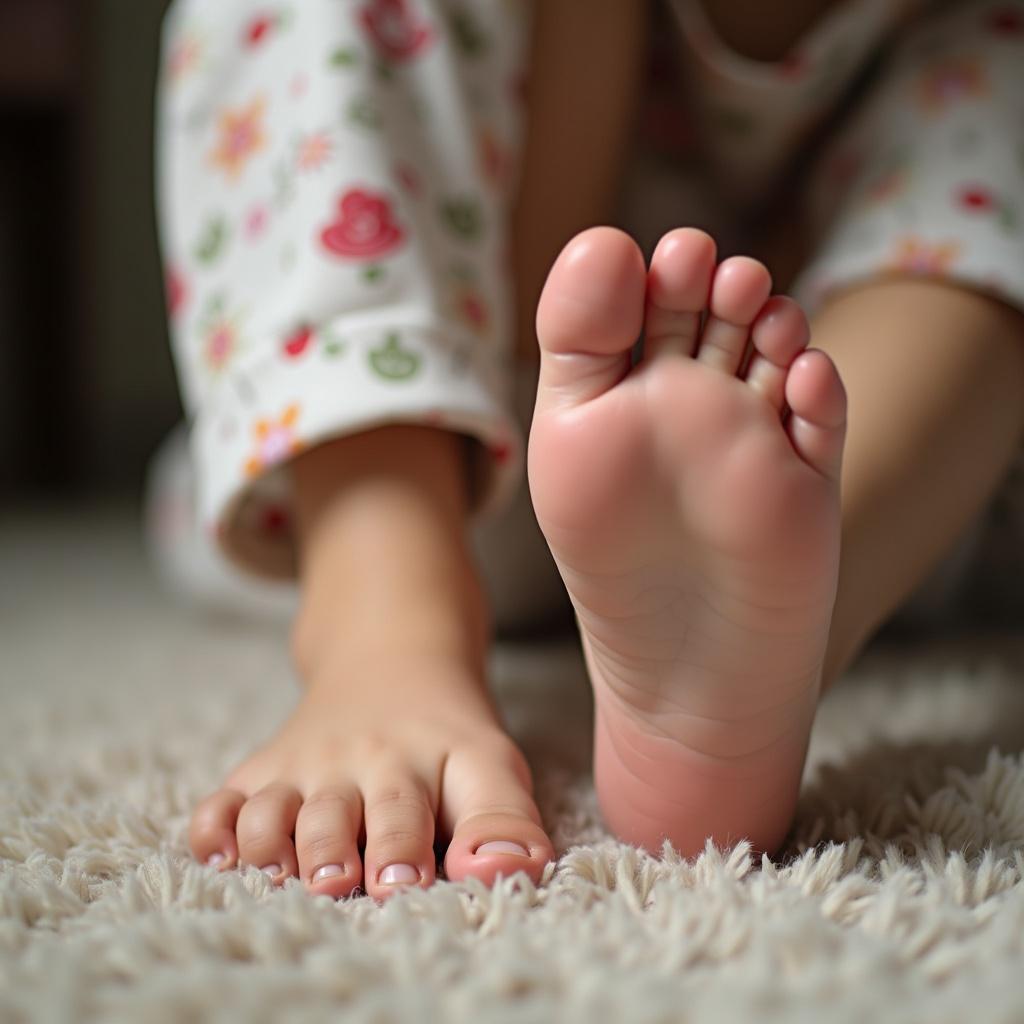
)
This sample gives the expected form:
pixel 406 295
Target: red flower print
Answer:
pixel 257 29
pixel 298 341
pixel 177 293
pixel 394 29
pixel 364 228
pixel 408 178
pixel 501 452
pixel 471 308
pixel 474 311
pixel 256 222
pixel 1006 21
pixel 274 520
pixel 220 344
pixel 976 198
pixel 495 161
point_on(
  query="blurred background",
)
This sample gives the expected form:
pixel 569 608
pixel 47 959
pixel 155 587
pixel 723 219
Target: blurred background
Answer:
pixel 87 389
pixel 86 383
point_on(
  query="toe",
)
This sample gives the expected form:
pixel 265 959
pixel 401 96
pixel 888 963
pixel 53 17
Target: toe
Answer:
pixel 740 288
pixel 779 334
pixel 211 833
pixel 497 828
pixel 678 290
pixel 399 820
pixel 817 421
pixel 326 835
pixel 589 316
pixel 265 826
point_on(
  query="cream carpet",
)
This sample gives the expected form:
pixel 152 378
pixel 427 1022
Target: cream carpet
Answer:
pixel 900 896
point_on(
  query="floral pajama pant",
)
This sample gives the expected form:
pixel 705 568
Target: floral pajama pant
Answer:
pixel 335 179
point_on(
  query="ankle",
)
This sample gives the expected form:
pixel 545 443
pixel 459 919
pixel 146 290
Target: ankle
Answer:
pixel 383 552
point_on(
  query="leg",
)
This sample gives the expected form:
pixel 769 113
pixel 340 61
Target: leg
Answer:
pixel 341 324
pixel 420 753
pixel 928 441
pixel 914 208
pixel 585 72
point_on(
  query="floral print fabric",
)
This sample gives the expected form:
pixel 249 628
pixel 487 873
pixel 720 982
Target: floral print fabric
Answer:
pixel 925 173
pixel 927 178
pixel 334 184
pixel 336 175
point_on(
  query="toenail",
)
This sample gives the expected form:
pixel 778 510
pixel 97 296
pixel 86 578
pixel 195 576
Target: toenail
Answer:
pixel 327 871
pixel 215 858
pixel 271 869
pixel 398 874
pixel 502 846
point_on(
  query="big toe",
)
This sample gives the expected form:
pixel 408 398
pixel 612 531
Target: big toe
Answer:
pixel 589 316
pixel 497 830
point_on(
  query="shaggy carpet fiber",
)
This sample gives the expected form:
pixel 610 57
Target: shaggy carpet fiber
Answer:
pixel 899 895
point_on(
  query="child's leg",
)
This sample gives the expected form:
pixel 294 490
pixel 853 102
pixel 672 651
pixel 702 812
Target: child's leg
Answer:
pixel 335 213
pixel 918 207
pixel 934 374
pixel 697 526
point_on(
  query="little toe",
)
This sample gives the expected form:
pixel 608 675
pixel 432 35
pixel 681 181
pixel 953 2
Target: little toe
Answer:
pixel 265 826
pixel 211 833
pixel 817 421
pixel 740 288
pixel 589 316
pixel 326 834
pixel 399 819
pixel 678 291
pixel 497 828
pixel 779 334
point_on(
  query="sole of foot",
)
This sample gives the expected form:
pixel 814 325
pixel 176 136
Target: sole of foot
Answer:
pixel 691 503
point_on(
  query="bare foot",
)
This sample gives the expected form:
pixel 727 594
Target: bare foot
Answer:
pixel 360 784
pixel 695 521
pixel 396 745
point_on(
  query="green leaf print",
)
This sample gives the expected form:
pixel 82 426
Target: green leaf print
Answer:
pixel 392 362
pixel 468 37
pixel 463 217
pixel 344 57
pixel 334 344
pixel 212 241
pixel 212 310
pixel 362 112
pixel 373 273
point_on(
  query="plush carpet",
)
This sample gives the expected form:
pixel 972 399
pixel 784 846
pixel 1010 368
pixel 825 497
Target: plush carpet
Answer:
pixel 900 895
